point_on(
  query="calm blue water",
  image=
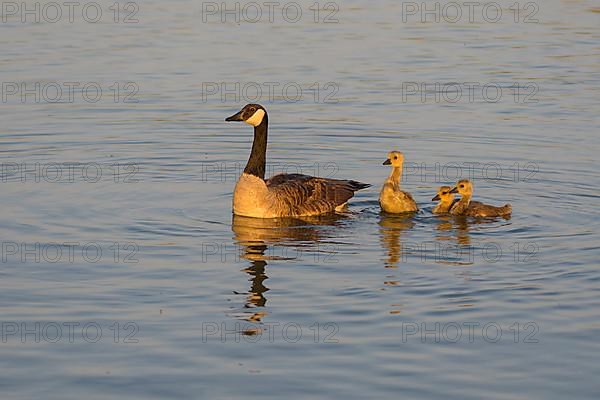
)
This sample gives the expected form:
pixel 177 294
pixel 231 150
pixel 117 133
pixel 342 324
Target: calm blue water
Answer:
pixel 124 274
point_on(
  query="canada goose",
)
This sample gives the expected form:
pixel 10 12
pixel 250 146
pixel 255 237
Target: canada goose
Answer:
pixel 391 198
pixel 283 195
pixel 446 200
pixel 474 208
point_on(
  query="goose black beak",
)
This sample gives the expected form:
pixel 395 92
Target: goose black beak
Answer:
pixel 436 198
pixel 235 117
pixel 455 190
pixel 387 162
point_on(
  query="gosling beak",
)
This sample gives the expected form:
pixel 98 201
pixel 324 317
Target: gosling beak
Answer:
pixel 436 198
pixel 235 117
pixel 455 190
pixel 387 162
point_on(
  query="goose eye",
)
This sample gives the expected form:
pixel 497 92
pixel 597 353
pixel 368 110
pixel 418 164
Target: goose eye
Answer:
pixel 252 109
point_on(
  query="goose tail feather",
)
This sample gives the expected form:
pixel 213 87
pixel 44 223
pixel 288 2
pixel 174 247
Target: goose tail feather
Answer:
pixel 355 185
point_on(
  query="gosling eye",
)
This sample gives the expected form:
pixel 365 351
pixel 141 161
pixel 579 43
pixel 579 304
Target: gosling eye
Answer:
pixel 462 186
pixel 395 157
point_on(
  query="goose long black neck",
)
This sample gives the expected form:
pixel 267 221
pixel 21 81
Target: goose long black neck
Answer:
pixel 258 156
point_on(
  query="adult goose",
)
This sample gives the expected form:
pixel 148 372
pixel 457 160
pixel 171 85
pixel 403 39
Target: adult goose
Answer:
pixel 465 206
pixel 392 199
pixel 283 195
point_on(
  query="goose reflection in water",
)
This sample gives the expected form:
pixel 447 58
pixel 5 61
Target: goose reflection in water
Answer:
pixel 453 233
pixel 391 228
pixel 453 228
pixel 263 240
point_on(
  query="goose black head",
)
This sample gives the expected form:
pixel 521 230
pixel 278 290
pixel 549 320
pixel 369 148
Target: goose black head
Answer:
pixel 252 114
pixel 395 159
pixel 463 187
pixel 444 194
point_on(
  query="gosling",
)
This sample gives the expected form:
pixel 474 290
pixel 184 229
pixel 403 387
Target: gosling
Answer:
pixel 474 208
pixel 446 200
pixel 391 199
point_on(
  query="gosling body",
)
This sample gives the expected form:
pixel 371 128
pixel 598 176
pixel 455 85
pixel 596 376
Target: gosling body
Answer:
pixel 392 199
pixel 446 200
pixel 475 208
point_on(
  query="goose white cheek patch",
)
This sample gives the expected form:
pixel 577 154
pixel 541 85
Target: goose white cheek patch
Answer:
pixel 257 118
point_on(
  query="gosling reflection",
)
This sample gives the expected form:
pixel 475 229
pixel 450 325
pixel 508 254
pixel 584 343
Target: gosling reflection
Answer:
pixel 390 229
pixel 453 229
pixel 263 240
pixel 453 234
pixel 453 240
pixel 463 237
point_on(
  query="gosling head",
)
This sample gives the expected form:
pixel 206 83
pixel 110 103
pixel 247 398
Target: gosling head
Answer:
pixel 253 114
pixel 395 159
pixel 464 187
pixel 444 194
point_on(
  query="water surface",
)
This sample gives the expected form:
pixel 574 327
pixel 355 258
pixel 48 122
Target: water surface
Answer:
pixel 116 214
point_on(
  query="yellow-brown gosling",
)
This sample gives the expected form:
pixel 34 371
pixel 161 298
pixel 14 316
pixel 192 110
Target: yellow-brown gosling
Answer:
pixel 283 195
pixel 474 208
pixel 391 198
pixel 446 200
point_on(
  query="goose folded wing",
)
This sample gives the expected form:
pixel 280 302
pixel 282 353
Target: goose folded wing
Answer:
pixel 405 196
pixel 303 194
pixel 395 195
